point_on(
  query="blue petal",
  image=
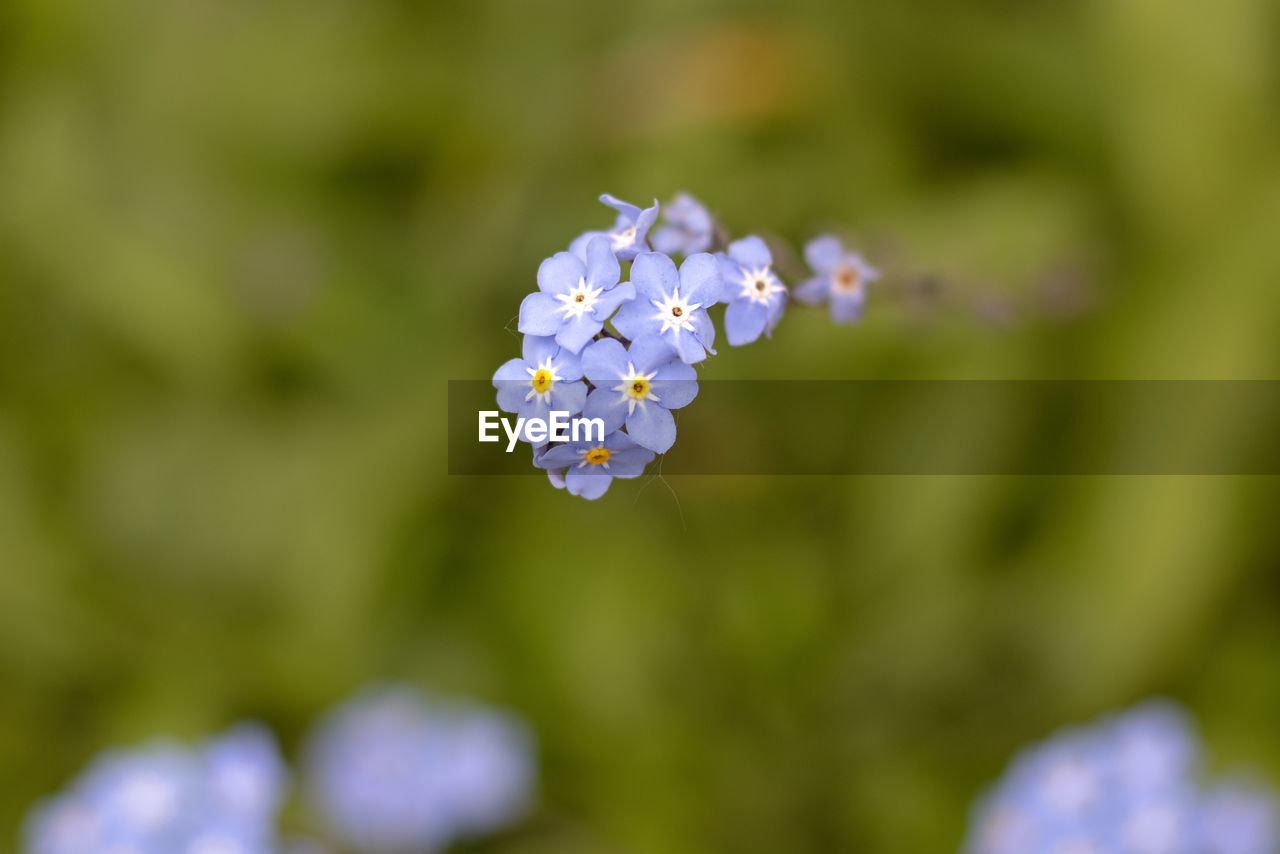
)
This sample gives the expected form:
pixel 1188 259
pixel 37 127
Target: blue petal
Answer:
pixel 611 299
pixel 652 427
pixel 512 382
pixel 846 308
pixel 668 240
pixel 654 276
pixel 750 252
pixel 607 405
pixel 540 314
pixel 579 245
pixel 676 385
pixel 559 457
pixel 602 270
pixel 733 275
pixel 577 332
pixel 813 291
pixel 744 320
pixel 630 211
pixel 635 318
pixel 629 463
pixel 586 483
pixel 619 441
pixel 645 221
pixel 648 353
pixel 700 279
pixel 556 476
pixel 538 348
pixel 568 397
pixel 704 329
pixel 560 273
pixel 824 254
pixel 604 362
pixel 512 370
pixel 566 365
pixel 686 346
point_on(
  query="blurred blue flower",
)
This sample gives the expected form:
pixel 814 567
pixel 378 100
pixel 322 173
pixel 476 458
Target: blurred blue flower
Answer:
pixel 221 798
pixel 638 387
pixel 591 466
pixel 755 296
pixel 687 227
pixel 627 237
pixel 1127 784
pixel 842 277
pixel 575 296
pixel 391 772
pixel 673 304
pixel 547 377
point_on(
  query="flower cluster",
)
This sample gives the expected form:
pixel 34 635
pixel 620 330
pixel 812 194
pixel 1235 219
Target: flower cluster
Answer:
pixel 1128 784
pixel 387 773
pixel 621 354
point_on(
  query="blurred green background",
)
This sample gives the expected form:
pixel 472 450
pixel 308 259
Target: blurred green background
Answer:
pixel 244 245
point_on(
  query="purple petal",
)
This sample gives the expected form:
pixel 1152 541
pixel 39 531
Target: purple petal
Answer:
pixel 540 314
pixel 750 252
pixel 744 320
pixel 846 308
pixel 813 291
pixel 652 427
pixel 824 253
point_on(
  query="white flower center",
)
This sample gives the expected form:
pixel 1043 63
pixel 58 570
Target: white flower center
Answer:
pixel 580 300
pixel 759 285
pixel 636 388
pixel 541 380
pixel 623 239
pixel 675 312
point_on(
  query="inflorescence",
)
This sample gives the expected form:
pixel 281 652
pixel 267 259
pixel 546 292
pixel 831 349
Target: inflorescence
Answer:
pixel 388 772
pixel 1131 783
pixel 623 352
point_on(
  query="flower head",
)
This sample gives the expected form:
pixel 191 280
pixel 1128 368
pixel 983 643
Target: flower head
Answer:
pixel 575 295
pixel 392 772
pixel 755 296
pixel 547 378
pixel 841 280
pixel 1240 816
pixel 627 237
pixel 673 304
pixel 589 467
pixel 638 387
pixel 687 227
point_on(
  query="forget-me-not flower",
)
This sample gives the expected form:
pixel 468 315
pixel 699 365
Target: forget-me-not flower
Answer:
pixel 1240 816
pixel 627 237
pixel 687 227
pixel 393 772
pixel 841 280
pixel 590 467
pixel 547 377
pixel 575 296
pixel 672 304
pixel 754 293
pixel 638 387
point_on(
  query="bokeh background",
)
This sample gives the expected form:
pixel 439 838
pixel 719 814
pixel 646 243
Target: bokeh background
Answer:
pixel 244 246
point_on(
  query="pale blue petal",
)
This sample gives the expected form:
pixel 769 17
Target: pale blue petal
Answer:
pixel 630 211
pixel 540 314
pixel 668 240
pixel 579 245
pixel 652 427
pixel 619 441
pixel 750 252
pixel 700 279
pixel 558 457
pixel 732 274
pixel 645 221
pixel 813 291
pixel 824 254
pixel 602 270
pixel 704 329
pixel 577 332
pixel 538 348
pixel 744 320
pixel 512 370
pixel 604 362
pixel 846 308
pixel 635 318
pixel 560 273
pixel 607 405
pixel 676 385
pixel 568 397
pixel 629 463
pixel 567 365
pixel 654 276
pixel 556 476
pixel 586 483
pixel 609 301
pixel 648 353
pixel 687 346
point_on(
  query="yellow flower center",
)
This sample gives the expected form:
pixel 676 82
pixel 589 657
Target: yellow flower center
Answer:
pixel 597 456
pixel 541 380
pixel 639 388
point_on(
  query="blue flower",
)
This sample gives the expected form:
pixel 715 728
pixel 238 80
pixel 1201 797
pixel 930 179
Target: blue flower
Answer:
pixel 841 281
pixel 1240 816
pixel 575 295
pixel 546 379
pixel 755 295
pixel 627 237
pixel 392 772
pixel 638 387
pixel 687 229
pixel 673 305
pixel 591 466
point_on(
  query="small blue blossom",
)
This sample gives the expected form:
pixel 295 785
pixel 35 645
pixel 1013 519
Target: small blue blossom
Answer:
pixel 547 378
pixel 1240 816
pixel 841 280
pixel 627 237
pixel 638 387
pixel 673 304
pixel 392 772
pixel 575 295
pixel 755 296
pixel 687 227
pixel 591 466
pixel 165 798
